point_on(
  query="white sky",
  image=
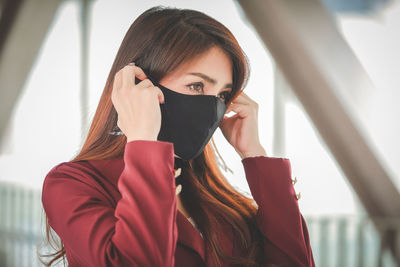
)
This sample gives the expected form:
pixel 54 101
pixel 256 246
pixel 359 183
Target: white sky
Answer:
pixel 45 128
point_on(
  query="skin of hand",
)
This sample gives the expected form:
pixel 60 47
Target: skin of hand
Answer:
pixel 137 105
pixel 241 129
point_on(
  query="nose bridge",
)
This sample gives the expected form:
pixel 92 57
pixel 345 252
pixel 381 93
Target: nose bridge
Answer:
pixel 213 90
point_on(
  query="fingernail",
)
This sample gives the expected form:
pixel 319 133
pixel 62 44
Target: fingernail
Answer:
pixel 132 64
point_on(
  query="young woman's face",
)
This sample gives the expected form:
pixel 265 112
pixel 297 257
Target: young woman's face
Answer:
pixel 210 74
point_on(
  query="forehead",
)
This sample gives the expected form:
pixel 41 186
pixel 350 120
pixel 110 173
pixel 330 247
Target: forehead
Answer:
pixel 214 63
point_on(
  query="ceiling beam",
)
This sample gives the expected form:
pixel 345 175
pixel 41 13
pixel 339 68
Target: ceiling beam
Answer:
pixel 23 27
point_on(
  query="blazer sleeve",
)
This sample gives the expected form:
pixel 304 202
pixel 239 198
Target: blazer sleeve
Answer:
pixel 286 239
pixel 140 230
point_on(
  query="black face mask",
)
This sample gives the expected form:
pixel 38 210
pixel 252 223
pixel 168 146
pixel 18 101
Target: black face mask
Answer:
pixel 188 121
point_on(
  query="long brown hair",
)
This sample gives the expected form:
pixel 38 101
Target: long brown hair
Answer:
pixel 159 41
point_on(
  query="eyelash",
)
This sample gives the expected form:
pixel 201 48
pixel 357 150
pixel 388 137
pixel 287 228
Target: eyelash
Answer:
pixel 226 93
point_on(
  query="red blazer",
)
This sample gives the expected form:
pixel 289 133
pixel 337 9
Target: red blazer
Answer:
pixel 123 211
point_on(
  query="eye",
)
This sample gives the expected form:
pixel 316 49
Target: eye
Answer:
pixel 225 95
pixel 198 86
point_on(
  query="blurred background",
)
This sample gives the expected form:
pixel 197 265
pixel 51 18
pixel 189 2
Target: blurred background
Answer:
pixel 326 75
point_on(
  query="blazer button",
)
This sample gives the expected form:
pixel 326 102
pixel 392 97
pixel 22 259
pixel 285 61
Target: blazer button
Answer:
pixel 177 172
pixel 298 196
pixel 295 180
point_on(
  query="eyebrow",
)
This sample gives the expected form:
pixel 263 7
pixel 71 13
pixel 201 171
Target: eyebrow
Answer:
pixel 209 79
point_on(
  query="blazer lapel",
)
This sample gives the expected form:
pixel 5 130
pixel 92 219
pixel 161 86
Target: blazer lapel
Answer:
pixel 189 236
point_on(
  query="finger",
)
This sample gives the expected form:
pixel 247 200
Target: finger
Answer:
pixel 160 95
pixel 146 83
pixel 131 71
pixel 117 80
pixel 128 76
pixel 241 99
pixel 227 119
pixel 139 73
pixel 240 109
pixel 248 99
pixel 246 96
pixel 229 108
pixel 116 87
pixel 233 107
pixel 178 189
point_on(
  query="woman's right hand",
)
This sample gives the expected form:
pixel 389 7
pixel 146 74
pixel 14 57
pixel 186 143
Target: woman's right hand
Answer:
pixel 137 105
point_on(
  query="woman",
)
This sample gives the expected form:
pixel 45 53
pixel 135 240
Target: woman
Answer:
pixel 145 189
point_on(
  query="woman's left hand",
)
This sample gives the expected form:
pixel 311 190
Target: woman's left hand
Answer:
pixel 241 130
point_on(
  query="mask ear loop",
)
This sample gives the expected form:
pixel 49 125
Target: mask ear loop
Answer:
pixel 224 166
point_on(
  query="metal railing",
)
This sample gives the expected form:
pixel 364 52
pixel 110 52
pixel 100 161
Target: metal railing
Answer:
pixel 350 240
pixel 20 225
